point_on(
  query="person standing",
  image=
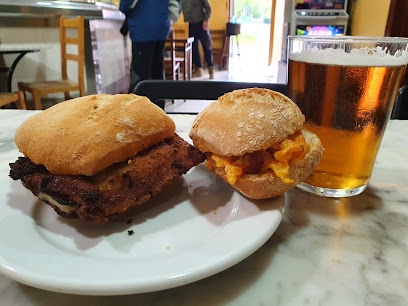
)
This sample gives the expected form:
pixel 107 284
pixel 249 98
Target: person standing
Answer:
pixel 149 26
pixel 197 13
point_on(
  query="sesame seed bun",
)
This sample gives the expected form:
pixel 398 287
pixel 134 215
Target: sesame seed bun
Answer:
pixel 87 134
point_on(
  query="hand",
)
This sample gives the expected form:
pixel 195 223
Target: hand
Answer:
pixel 205 25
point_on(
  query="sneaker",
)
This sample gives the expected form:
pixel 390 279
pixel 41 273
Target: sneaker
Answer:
pixel 197 72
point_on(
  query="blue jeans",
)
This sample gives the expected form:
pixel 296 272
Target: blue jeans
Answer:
pixel 196 30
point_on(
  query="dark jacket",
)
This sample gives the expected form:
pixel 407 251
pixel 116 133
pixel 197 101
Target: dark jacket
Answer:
pixel 195 11
pixel 148 20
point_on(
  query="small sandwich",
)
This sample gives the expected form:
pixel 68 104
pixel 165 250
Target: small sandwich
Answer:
pixel 95 157
pixel 254 139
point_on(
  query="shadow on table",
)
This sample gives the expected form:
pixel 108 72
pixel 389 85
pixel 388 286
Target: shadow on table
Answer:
pixel 88 235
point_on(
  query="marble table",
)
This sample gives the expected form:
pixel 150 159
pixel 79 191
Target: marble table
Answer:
pixel 351 251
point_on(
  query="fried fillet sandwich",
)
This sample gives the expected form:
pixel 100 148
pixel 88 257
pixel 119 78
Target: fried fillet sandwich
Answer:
pixel 254 139
pixel 95 157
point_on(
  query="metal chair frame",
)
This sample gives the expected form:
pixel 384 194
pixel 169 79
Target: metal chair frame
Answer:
pixel 158 91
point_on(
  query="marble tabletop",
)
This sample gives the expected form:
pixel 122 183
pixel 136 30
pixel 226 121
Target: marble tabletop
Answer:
pixel 351 251
pixel 22 47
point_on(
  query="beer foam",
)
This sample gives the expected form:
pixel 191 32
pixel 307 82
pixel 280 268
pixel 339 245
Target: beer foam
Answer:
pixel 364 57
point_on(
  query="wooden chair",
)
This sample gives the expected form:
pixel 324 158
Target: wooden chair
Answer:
pixel 9 97
pixel 37 89
pixel 171 66
pixel 180 32
pixel 218 37
pixel 184 49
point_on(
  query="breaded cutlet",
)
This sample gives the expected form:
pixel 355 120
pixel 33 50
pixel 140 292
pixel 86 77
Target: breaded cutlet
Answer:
pixel 112 191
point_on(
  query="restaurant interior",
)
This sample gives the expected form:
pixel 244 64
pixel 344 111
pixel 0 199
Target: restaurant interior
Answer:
pixel 248 46
pixel 202 242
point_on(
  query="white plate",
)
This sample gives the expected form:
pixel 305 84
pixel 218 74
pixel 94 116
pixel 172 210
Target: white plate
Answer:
pixel 195 228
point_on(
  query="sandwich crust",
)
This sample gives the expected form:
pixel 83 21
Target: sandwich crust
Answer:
pixel 268 185
pixel 87 134
pixel 245 120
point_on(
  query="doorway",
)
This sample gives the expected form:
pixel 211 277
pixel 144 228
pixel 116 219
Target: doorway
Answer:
pixel 255 52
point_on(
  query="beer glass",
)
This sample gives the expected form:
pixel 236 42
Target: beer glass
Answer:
pixel 346 87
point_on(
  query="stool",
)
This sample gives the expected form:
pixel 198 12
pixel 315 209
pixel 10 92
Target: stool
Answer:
pixel 233 29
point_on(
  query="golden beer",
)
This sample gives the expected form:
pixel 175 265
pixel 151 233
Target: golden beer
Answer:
pixel 347 104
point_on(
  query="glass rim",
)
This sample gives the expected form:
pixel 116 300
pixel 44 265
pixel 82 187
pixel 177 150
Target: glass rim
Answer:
pixel 347 38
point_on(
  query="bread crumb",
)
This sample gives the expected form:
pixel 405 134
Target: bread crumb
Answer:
pixel 239 134
pixel 260 115
pixel 240 125
pixel 168 247
pixel 235 106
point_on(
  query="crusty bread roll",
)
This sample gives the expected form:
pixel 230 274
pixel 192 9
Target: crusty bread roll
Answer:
pixel 268 185
pixel 245 120
pixel 85 135
pixel 250 120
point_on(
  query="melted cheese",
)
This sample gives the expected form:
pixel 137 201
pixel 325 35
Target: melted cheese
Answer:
pixel 233 169
pixel 63 208
pixel 277 158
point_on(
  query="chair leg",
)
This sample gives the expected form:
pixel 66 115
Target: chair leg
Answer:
pixel 66 95
pixel 21 101
pixel 37 99
pixel 22 89
pixel 82 90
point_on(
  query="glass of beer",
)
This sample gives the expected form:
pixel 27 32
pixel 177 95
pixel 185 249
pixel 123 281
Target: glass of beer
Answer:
pixel 346 87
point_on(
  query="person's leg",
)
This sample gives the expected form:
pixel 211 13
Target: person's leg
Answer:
pixel 194 31
pixel 158 65
pixel 157 60
pixel 141 63
pixel 206 42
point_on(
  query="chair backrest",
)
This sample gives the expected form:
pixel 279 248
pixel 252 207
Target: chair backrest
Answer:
pixel 219 44
pixel 171 46
pixel 400 110
pixel 157 90
pixel 181 33
pixel 78 24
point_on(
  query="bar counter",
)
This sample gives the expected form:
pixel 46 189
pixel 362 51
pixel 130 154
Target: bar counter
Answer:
pixel 351 251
